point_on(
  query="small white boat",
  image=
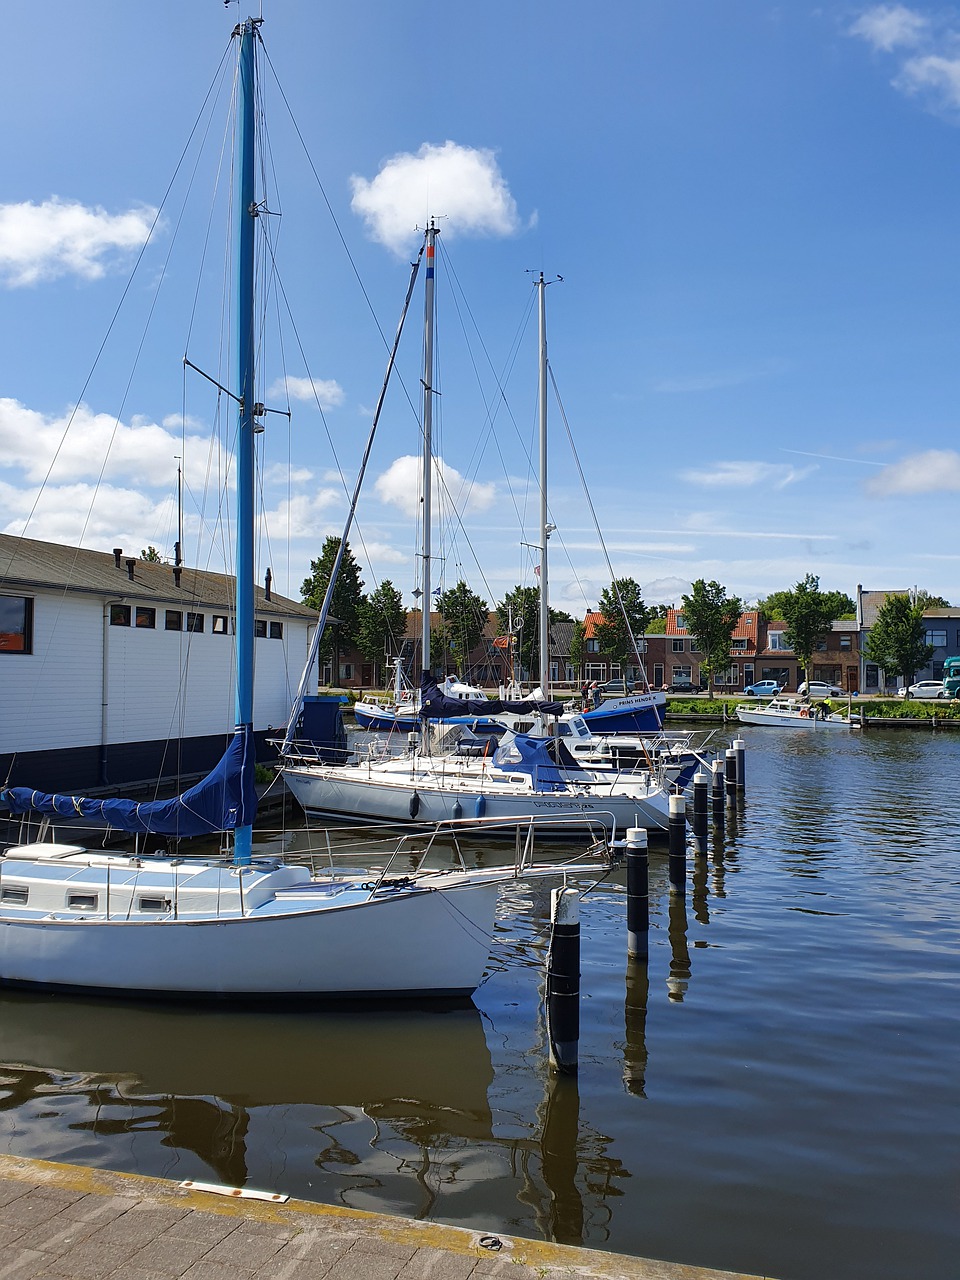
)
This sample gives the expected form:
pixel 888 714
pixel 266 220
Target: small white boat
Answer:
pixel 793 713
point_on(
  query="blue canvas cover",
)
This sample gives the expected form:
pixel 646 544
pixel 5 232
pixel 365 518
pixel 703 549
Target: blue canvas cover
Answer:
pixel 435 705
pixel 546 760
pixel 224 799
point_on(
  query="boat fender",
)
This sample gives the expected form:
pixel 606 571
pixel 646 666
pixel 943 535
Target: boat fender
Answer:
pixel 414 804
pixel 480 808
pixel 458 810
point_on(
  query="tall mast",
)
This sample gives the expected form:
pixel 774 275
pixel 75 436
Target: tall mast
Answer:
pixel 427 463
pixel 545 528
pixel 245 213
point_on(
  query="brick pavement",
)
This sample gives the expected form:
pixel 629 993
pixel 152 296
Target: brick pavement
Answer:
pixel 65 1222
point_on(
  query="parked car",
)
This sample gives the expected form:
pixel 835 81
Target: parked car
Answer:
pixel 763 689
pixel 819 689
pixel 683 686
pixel 617 686
pixel 924 689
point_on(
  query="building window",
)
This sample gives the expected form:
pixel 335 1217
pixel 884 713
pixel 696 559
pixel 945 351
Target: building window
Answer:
pixel 595 671
pixel 730 676
pixel 820 646
pixel 846 644
pixel 219 625
pixel 194 621
pixel 593 646
pixel 146 618
pixel 780 674
pixel 776 641
pixel 554 672
pixel 571 673
pixel 173 620
pixel 657 674
pixel 346 670
pixel 682 673
pixel 260 628
pixel 119 615
pixel 678 646
pixel 16 624
pixel 738 644
pixel 937 638
pixel 694 645
pixel 681 622
pixel 276 630
pixel 747 673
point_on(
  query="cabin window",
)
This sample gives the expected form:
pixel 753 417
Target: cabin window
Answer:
pixel 220 626
pixel 678 645
pixel 260 628
pixel 276 630
pixel 16 624
pixel 162 906
pixel 146 617
pixel 119 615
pixel 194 621
pixel 82 901
pixel 173 620
pixel 14 894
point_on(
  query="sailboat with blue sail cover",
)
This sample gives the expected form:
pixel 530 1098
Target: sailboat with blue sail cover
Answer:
pixel 240 925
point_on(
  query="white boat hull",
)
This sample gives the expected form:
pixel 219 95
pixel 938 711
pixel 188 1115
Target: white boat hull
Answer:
pixel 430 942
pixel 350 793
pixel 789 719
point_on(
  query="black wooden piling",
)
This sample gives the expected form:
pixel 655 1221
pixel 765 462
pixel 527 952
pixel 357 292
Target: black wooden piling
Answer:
pixel 700 789
pixel 740 747
pixel 638 894
pixel 563 981
pixel 730 776
pixel 677 832
pixel 717 796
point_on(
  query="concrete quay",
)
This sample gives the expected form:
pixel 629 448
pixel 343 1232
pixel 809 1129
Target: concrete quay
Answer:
pixel 65 1222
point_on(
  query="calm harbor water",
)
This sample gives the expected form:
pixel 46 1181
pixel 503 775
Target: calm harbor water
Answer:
pixel 775 1092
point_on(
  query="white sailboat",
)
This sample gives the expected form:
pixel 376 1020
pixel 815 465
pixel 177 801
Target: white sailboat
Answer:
pixel 520 777
pixel 81 919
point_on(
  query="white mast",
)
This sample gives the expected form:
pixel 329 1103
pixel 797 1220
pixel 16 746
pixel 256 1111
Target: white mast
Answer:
pixel 427 463
pixel 545 527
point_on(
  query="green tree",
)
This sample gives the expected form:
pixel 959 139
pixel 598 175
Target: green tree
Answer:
pixel 897 641
pixel 346 603
pixel 711 617
pixel 522 606
pixel 382 624
pixel 808 612
pixel 623 614
pixel 838 603
pixel 464 616
pixel 578 647
pixel 927 601
pixel 152 554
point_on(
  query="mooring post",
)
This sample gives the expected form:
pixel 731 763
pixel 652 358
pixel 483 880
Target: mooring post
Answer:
pixel 700 787
pixel 730 776
pixel 677 832
pixel 717 796
pixel 638 894
pixel 563 981
pixel 740 747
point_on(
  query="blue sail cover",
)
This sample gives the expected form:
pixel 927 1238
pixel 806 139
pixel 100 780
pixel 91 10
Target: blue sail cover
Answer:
pixel 546 760
pixel 435 705
pixel 224 799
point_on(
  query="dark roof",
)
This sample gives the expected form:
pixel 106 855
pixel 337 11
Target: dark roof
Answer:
pixel 561 638
pixel 26 563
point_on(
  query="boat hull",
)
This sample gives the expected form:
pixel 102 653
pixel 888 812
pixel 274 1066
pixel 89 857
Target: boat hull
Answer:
pixel 788 720
pixel 325 792
pixel 373 949
pixel 635 713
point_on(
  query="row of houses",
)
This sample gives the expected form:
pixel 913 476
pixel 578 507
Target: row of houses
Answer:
pixel 671 659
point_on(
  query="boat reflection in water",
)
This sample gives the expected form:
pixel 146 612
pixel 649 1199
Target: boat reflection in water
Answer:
pixel 386 1111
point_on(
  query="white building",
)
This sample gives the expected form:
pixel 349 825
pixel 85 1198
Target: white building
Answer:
pixel 116 670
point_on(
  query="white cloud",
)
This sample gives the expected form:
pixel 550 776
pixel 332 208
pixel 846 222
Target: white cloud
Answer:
pixel 666 590
pixel 280 473
pixel 934 471
pixel 326 391
pixel 399 486
pixel 59 237
pixel 937 76
pixel 461 185
pixel 303 516
pixel 889 26
pixel 744 474
pixel 139 451
pixel 85 515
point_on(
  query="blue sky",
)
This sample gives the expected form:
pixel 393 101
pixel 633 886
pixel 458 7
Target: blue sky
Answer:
pixel 754 209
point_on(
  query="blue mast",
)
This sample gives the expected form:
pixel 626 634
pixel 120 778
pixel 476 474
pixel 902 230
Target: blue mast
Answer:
pixel 245 213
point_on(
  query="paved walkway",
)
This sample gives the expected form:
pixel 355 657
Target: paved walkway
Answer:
pixel 64 1222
